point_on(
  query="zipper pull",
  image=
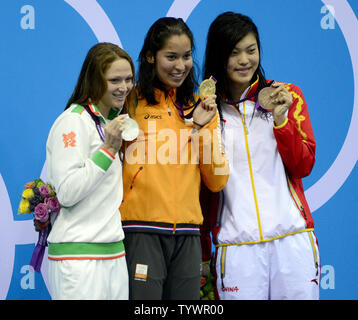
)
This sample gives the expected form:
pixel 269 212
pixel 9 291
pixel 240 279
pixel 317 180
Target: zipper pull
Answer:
pixel 169 111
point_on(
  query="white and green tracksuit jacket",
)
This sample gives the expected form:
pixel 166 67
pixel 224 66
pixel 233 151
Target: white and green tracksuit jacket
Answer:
pixel 88 182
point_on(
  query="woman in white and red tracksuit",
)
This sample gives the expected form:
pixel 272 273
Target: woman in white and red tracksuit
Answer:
pixel 261 223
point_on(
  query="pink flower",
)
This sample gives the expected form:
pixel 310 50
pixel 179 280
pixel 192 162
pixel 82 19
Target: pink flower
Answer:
pixel 44 191
pixel 53 204
pixel 41 212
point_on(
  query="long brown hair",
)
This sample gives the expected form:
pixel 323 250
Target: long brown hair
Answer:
pixel 91 84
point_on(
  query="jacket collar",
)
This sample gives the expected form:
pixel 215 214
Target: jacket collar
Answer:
pixel 111 115
pixel 161 95
pixel 251 91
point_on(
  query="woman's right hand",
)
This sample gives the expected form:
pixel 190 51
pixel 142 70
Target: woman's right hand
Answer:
pixel 205 111
pixel 113 134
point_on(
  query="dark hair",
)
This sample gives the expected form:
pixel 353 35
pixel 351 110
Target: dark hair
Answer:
pixel 224 33
pixel 154 41
pixel 91 84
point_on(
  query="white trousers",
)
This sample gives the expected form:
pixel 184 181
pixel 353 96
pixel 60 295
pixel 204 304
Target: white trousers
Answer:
pixel 286 268
pixel 89 279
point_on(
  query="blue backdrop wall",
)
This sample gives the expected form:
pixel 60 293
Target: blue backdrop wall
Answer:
pixel 311 43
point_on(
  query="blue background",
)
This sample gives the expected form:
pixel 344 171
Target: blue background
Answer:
pixel 39 68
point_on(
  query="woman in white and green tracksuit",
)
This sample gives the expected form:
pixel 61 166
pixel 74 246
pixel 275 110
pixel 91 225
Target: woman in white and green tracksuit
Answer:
pixel 86 251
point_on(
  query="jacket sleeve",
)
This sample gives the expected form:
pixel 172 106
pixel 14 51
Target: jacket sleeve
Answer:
pixel 295 139
pixel 71 169
pixel 214 168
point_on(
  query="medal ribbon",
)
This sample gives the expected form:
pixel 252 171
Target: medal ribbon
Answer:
pixel 181 109
pixel 97 122
pixel 235 104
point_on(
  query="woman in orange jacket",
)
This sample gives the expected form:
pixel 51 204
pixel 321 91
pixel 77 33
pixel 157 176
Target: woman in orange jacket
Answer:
pixel 178 146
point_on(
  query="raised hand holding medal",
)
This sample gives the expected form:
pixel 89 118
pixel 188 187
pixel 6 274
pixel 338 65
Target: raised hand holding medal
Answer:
pixel 130 129
pixel 277 99
pixel 207 87
pixel 206 109
pixel 120 128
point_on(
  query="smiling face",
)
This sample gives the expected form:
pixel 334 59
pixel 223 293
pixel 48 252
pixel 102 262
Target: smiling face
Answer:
pixel 174 61
pixel 242 64
pixel 119 80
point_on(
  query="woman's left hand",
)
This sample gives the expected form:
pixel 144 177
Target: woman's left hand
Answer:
pixel 282 99
pixel 205 111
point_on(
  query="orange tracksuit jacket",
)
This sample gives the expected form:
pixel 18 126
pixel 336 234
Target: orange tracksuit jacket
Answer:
pixel 163 169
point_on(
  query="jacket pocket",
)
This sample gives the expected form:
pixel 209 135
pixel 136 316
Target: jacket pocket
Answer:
pixel 296 200
pixel 132 183
pixel 315 253
pixel 223 265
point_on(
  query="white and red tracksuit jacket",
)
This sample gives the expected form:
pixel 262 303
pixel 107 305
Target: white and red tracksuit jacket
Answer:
pixel 264 198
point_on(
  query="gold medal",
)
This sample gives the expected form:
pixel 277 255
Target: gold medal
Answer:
pixel 207 87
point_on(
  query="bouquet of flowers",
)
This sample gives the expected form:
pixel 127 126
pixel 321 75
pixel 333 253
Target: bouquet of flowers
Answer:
pixel 207 288
pixel 207 285
pixel 39 198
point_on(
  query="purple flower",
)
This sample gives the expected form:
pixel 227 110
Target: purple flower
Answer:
pixel 53 204
pixel 41 212
pixel 35 201
pixel 44 191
